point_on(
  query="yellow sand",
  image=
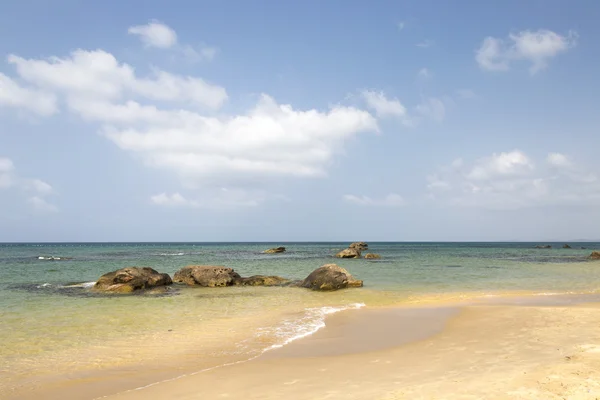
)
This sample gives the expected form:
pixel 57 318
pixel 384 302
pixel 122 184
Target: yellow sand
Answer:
pixel 486 352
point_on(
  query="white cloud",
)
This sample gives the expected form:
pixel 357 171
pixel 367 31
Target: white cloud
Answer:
pixel 221 198
pixel 41 205
pixel 206 151
pixel 535 47
pixel 94 75
pixel 558 160
pixel 9 179
pixel 511 180
pixel 391 200
pixel 383 106
pixel 36 101
pixel 432 108
pixel 513 163
pixel 155 34
pixel 204 52
pixel 425 44
pixel 401 25
pixel 424 73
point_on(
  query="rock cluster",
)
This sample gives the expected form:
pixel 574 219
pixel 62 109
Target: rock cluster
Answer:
pixel 595 255
pixel 372 256
pixel 127 280
pixel 353 251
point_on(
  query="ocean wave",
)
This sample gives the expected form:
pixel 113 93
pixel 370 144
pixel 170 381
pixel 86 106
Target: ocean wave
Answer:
pixel 84 285
pixel 43 285
pixel 170 254
pixel 297 328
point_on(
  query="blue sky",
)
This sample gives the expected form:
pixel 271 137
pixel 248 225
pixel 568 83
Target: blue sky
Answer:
pixel 312 120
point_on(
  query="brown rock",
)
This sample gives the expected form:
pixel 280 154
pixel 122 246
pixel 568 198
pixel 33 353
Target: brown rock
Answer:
pixel 206 275
pixel 566 246
pixel 130 279
pixel 262 280
pixel 330 277
pixel 360 246
pixel 595 255
pixel 372 256
pixel 348 253
pixel 275 250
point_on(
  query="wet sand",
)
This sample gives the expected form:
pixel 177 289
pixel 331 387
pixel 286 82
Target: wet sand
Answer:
pixel 519 348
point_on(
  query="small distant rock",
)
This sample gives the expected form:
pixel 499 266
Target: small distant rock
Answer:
pixel 566 246
pixel 595 255
pixel 206 275
pixel 330 277
pixel 360 246
pixel 131 279
pixel 547 246
pixel 372 256
pixel 349 253
pixel 262 280
pixel 275 250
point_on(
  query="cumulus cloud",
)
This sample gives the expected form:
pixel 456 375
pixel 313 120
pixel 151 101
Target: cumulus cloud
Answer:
pixel 391 200
pixel 155 34
pixel 97 75
pixel 535 47
pixel 41 205
pixel 16 96
pixel 10 179
pixel 512 180
pixel 159 35
pixel 205 150
pixel 383 106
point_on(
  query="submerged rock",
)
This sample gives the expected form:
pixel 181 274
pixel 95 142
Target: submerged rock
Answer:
pixel 262 280
pixel 275 250
pixel 360 246
pixel 372 256
pixel 130 279
pixel 330 277
pixel 206 275
pixel 595 255
pixel 566 246
pixel 349 253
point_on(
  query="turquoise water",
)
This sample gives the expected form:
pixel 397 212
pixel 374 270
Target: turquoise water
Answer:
pixel 47 324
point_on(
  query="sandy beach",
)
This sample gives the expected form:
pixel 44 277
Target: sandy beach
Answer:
pixel 533 348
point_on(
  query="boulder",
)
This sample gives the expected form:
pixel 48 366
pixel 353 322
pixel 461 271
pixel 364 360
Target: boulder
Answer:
pixel 330 277
pixel 130 279
pixel 348 253
pixel 372 256
pixel 275 250
pixel 566 246
pixel 206 275
pixel 360 246
pixel 595 255
pixel 547 246
pixel 262 280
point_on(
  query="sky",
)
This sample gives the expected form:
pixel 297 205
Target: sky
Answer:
pixel 299 121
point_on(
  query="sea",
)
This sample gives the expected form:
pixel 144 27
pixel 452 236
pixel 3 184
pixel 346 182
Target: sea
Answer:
pixel 53 324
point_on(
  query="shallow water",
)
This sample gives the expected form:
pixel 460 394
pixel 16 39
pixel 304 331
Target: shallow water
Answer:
pixel 51 321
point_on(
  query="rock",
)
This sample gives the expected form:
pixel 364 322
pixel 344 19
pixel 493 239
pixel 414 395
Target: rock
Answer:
pixel 206 275
pixel 330 277
pixel 566 246
pixel 348 253
pixel 595 255
pixel 262 280
pixel 372 256
pixel 130 279
pixel 275 250
pixel 360 246
pixel 544 247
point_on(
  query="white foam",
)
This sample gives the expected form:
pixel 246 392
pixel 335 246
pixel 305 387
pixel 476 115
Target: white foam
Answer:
pixel 43 285
pixel 313 320
pixel 171 254
pixel 81 285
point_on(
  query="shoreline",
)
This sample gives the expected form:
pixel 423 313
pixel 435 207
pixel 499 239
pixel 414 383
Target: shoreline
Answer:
pixel 342 332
